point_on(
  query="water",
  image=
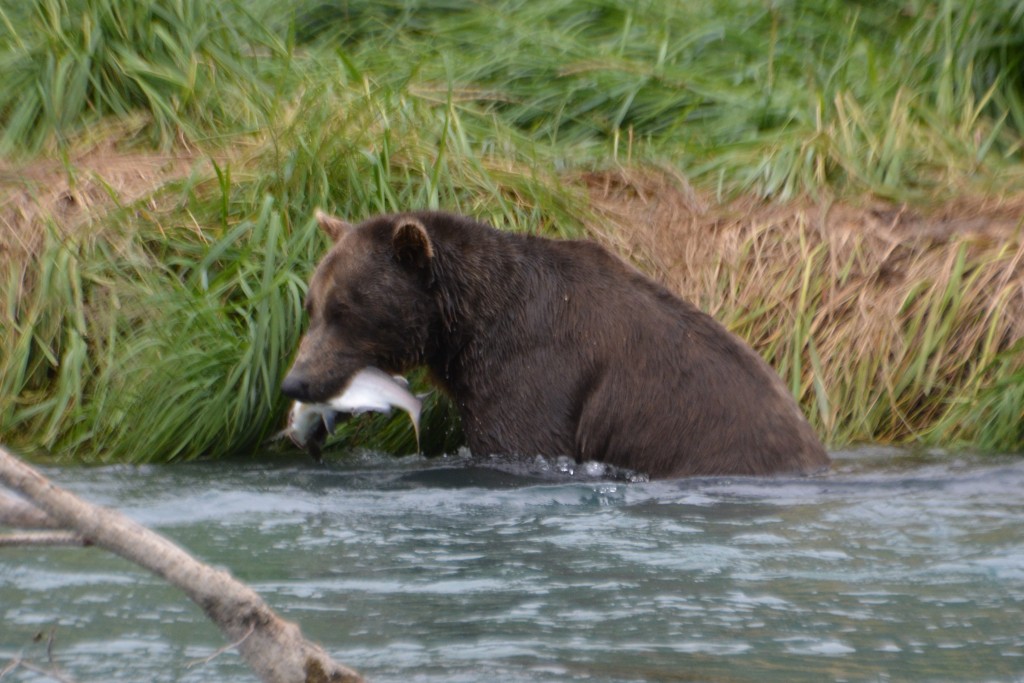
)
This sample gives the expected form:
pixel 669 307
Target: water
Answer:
pixel 894 567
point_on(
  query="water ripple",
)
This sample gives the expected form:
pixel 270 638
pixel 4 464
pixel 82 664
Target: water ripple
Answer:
pixel 894 567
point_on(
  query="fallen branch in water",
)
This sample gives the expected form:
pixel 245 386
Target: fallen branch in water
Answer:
pixel 40 538
pixel 217 653
pixel 272 647
pixel 17 513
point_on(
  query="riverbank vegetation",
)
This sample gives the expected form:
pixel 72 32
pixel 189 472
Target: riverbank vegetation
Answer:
pixel 841 183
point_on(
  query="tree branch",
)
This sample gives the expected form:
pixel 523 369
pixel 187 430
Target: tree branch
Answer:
pixel 15 512
pixel 230 646
pixel 43 538
pixel 275 650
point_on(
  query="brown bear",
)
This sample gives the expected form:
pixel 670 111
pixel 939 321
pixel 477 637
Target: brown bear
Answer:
pixel 550 347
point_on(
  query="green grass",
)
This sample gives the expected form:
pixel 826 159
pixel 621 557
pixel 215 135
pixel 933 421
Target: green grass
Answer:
pixel 774 98
pixel 161 331
pixel 195 68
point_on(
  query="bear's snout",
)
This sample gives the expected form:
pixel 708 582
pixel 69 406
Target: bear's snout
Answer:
pixel 295 387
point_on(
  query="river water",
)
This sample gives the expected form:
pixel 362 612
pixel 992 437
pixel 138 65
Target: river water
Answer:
pixel 895 566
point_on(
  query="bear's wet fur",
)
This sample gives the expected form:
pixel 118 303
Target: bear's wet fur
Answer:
pixel 551 347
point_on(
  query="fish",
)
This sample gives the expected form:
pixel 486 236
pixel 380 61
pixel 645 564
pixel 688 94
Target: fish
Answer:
pixel 370 390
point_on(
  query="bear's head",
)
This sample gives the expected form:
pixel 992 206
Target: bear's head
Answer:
pixel 369 304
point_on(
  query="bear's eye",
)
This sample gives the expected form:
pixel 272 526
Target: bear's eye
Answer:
pixel 338 308
pixel 356 295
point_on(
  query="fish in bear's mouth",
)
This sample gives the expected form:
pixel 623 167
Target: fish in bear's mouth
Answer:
pixel 369 390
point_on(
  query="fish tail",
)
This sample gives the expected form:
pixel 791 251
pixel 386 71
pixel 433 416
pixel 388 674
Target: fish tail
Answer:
pixel 416 430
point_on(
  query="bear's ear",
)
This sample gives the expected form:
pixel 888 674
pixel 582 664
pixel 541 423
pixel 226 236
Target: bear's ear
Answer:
pixel 334 227
pixel 412 244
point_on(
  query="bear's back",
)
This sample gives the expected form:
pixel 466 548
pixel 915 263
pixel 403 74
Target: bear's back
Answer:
pixel 573 351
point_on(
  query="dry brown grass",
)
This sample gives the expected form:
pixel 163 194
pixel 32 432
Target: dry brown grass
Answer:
pixel 888 307
pixel 73 195
pixel 681 234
